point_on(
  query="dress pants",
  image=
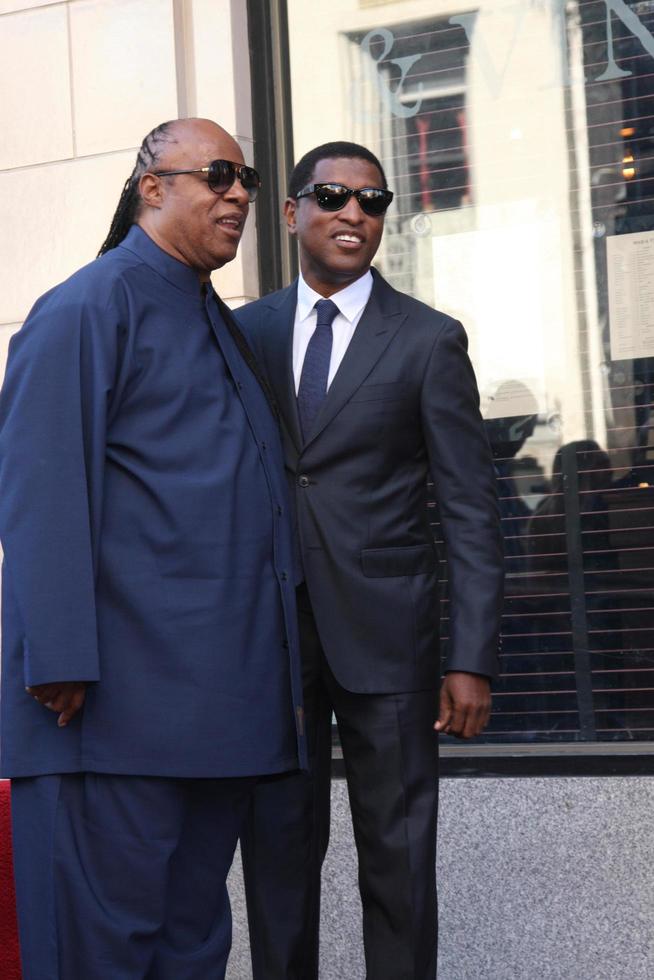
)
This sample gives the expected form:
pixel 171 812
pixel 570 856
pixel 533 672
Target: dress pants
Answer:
pixel 124 877
pixel 391 765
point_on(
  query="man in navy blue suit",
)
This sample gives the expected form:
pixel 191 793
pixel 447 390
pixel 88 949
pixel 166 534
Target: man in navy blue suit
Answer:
pixel 376 393
pixel 148 587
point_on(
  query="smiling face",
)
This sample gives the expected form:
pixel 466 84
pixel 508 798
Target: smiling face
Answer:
pixel 182 214
pixel 336 247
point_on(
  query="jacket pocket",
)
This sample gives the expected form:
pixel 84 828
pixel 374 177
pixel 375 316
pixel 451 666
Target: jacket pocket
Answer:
pixel 392 391
pixel 386 562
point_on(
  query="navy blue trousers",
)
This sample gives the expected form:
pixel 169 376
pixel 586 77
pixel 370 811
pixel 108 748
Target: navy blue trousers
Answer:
pixel 124 877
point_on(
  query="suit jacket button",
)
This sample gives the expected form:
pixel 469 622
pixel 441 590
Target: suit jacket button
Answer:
pixel 303 481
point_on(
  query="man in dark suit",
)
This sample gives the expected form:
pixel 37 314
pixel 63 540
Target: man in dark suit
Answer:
pixel 376 393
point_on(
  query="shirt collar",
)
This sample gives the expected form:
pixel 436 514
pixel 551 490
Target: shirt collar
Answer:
pixel 350 300
pixel 174 271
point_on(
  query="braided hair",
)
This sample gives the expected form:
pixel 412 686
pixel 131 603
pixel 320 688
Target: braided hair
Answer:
pixel 130 200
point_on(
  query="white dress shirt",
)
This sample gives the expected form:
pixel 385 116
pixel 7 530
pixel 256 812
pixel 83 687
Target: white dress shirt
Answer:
pixel 351 302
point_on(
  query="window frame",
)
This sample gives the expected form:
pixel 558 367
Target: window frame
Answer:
pixel 273 158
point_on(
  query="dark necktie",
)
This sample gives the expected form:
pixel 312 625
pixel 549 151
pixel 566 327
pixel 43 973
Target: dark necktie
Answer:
pixel 315 370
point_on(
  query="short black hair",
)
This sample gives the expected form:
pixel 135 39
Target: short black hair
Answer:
pixel 304 168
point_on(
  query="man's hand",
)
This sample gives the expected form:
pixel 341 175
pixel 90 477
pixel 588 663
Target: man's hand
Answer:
pixel 66 697
pixel 465 704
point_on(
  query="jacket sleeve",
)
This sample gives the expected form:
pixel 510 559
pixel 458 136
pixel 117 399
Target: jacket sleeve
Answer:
pixel 53 412
pixel 463 474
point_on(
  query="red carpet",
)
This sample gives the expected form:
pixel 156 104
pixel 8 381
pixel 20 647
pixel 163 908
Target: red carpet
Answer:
pixel 9 955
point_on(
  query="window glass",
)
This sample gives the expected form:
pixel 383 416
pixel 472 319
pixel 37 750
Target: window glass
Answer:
pixel 518 137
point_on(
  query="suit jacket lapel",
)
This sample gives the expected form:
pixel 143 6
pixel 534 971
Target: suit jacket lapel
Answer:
pixel 379 323
pixel 279 357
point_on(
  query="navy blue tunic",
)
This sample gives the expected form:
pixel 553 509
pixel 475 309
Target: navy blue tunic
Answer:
pixel 143 515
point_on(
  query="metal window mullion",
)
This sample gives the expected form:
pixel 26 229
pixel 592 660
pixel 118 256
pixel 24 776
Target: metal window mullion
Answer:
pixel 273 138
pixel 583 676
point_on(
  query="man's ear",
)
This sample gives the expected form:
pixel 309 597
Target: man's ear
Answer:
pixel 152 191
pixel 290 208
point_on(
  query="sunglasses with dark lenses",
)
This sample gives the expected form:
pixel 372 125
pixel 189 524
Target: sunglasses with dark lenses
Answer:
pixel 221 174
pixel 333 197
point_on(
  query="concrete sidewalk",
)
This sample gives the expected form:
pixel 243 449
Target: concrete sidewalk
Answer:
pixel 539 879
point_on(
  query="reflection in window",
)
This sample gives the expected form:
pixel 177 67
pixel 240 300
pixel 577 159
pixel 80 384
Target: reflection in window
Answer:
pixel 519 139
pixel 423 149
